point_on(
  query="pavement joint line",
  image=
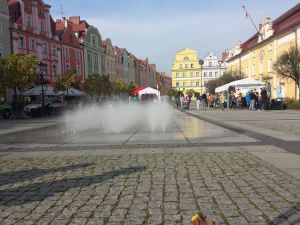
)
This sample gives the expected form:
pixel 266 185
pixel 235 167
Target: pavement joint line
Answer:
pixel 178 127
pixel 125 142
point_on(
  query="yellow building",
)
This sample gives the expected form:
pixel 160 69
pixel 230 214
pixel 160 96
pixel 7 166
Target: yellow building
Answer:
pixel 256 56
pixel 186 71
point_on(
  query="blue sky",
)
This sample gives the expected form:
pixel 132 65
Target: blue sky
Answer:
pixel 157 29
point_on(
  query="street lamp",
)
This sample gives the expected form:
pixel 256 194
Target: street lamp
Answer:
pixel 41 67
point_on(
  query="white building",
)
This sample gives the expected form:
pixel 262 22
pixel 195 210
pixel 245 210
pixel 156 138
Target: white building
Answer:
pixel 212 68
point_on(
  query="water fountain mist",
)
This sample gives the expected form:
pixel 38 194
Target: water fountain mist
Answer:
pixel 119 117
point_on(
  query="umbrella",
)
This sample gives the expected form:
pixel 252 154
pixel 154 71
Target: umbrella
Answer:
pixel 36 91
pixel 72 92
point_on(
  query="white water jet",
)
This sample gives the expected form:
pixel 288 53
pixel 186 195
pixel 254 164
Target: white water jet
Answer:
pixel 119 117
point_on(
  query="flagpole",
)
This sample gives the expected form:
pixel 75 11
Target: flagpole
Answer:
pixel 247 14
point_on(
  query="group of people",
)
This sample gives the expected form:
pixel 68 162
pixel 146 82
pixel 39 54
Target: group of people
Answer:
pixel 183 102
pixel 252 100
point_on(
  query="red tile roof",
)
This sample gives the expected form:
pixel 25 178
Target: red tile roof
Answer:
pixel 283 23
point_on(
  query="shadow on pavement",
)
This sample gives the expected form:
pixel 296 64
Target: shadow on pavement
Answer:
pixel 39 191
pixel 292 215
pixel 22 175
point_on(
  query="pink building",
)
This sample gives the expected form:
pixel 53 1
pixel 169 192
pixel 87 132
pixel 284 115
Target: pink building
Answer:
pixel 72 54
pixel 33 32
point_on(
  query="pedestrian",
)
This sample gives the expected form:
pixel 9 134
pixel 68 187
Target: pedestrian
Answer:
pixel 264 99
pixel 198 101
pixel 252 100
pixel 188 101
pixel 181 101
pixel 247 98
pixel 204 100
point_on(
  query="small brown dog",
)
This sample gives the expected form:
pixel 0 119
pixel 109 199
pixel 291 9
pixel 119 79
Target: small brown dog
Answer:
pixel 200 219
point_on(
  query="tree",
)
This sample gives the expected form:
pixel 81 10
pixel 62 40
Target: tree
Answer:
pixel 131 87
pixel 190 92
pixel 2 85
pixel 19 72
pixel 227 77
pixel 65 81
pixel 287 65
pixel 92 85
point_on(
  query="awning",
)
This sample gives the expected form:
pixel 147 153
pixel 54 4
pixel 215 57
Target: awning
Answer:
pixel 72 92
pixel 247 82
pixel 36 91
pixel 135 92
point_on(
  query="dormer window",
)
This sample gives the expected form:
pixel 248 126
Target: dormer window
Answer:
pixel 94 40
pixel 186 58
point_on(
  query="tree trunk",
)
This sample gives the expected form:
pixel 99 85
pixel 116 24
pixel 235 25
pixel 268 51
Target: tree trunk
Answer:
pixel 16 113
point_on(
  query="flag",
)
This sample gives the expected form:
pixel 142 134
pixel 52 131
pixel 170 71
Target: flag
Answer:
pixel 247 14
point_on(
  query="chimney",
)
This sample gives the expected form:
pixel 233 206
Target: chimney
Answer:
pixel 75 19
pixel 224 56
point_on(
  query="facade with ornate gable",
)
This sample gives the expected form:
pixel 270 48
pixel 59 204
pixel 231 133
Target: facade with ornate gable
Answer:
pixel 186 71
pixel 255 57
pixel 72 54
pixel 90 39
pixel 33 32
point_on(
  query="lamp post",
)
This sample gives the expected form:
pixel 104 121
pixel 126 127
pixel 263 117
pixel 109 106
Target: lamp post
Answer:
pixel 41 67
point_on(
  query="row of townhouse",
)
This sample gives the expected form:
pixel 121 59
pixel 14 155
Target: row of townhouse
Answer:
pixel 26 27
pixel 255 57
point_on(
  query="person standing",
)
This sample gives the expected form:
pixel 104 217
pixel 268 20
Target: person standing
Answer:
pixel 181 101
pixel 252 100
pixel 264 99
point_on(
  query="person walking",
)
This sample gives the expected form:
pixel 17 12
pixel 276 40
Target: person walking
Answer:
pixel 181 101
pixel 198 101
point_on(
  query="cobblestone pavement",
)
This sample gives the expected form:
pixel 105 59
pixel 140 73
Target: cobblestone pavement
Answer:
pixel 132 189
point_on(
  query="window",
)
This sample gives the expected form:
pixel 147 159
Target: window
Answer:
pixel 54 50
pixel 28 21
pixel 67 53
pixel 186 66
pixel 42 26
pixel 177 84
pixel 216 74
pixel 68 68
pixel 192 74
pixel 183 84
pixel 197 74
pixel 261 68
pixel 78 55
pixel 192 84
pixel 197 84
pixel 186 58
pixel 270 67
pixel 270 47
pixel 205 74
pixel 183 75
pixel 21 42
pixel 210 63
pixel 45 48
pixel 1 32
pixel 210 74
pixel 54 70
pixel 94 41
pixel 192 65
pixel 78 70
pixel 253 69
pixel 177 75
pixel 45 69
pixel 89 57
pixel 32 44
pixel 180 66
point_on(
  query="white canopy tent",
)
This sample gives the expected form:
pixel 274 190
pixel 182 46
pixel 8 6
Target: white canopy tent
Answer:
pixel 148 91
pixel 72 92
pixel 36 91
pixel 243 83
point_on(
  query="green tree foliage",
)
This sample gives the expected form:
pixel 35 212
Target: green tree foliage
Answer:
pixel 65 81
pixel 92 85
pixel 131 87
pixel 190 92
pixel 18 72
pixel 287 64
pixel 227 77
pixel 119 86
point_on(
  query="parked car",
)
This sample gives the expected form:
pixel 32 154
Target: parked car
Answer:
pixel 52 106
pixel 5 109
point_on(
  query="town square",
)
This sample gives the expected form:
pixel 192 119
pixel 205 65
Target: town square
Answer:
pixel 98 126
